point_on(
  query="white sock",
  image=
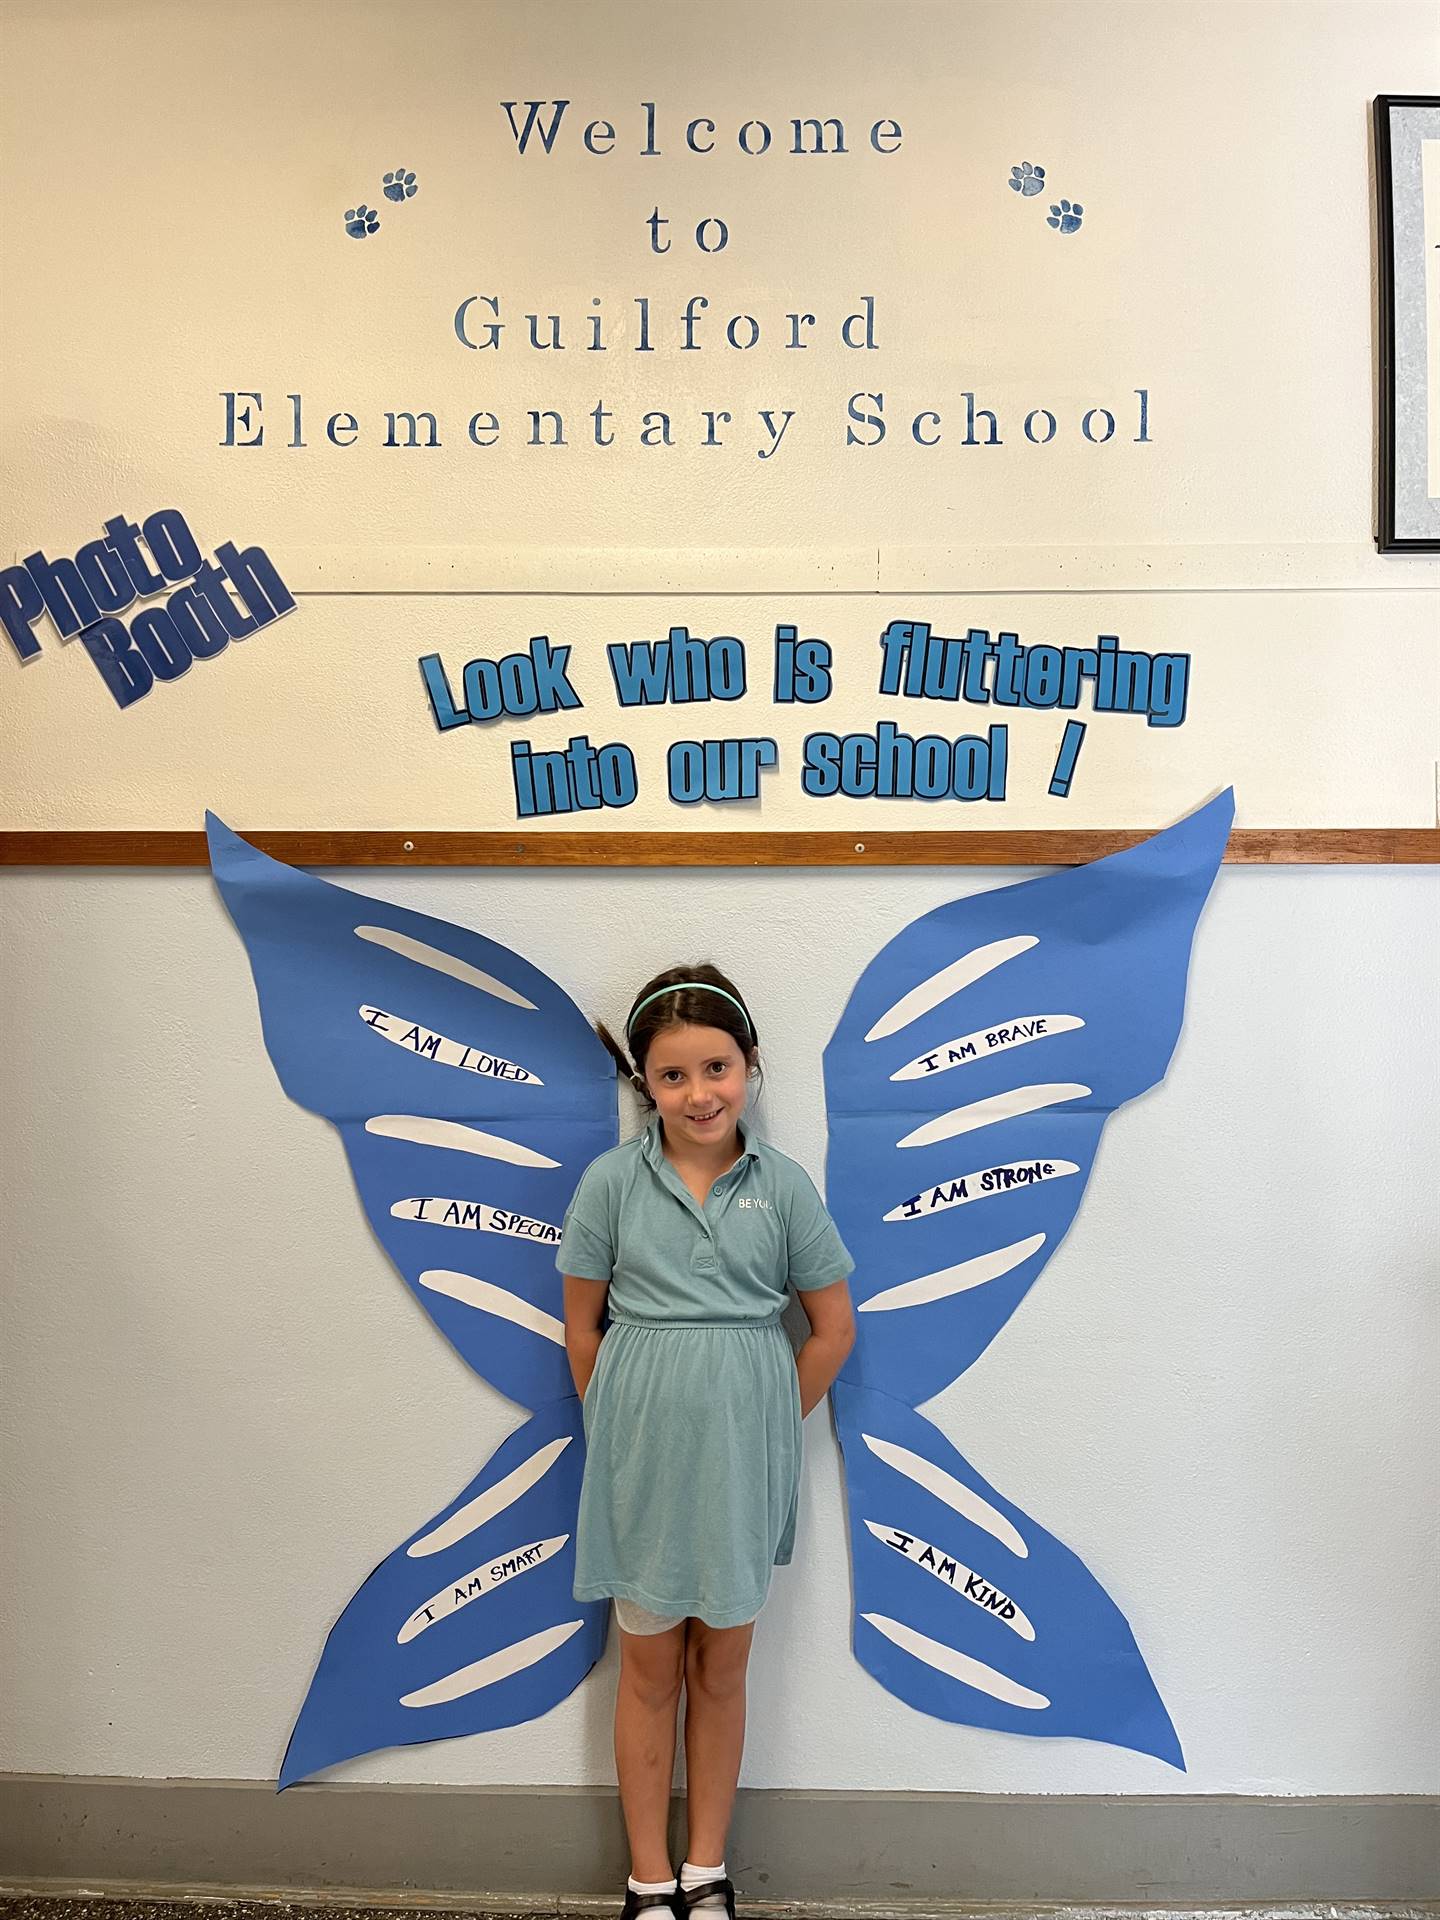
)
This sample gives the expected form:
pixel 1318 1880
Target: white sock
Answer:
pixel 650 1886
pixel 693 1876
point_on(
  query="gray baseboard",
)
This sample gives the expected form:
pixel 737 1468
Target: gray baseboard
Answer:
pixel 878 1852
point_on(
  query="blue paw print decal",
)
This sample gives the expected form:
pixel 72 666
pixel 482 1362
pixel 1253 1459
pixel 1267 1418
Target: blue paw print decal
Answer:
pixel 1027 180
pixel 1066 217
pixel 361 221
pixel 400 185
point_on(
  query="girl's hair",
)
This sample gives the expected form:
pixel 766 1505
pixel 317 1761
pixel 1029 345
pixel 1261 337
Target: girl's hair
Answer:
pixel 693 1005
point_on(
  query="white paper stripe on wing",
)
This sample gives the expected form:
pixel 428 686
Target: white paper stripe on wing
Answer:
pixel 441 1050
pixel 424 955
pixel 495 1666
pixel 958 1279
pixel 1018 1031
pixel 996 1107
pixel 983 1184
pixel 940 986
pixel 474 1585
pixel 505 1492
pixel 960 1579
pixel 488 1298
pixel 474 1216
pixel 970 1506
pixel 959 1666
pixel 424 1132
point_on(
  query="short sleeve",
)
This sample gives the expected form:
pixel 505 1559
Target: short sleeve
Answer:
pixel 586 1249
pixel 818 1256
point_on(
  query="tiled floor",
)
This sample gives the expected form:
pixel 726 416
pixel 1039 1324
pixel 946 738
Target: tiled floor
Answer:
pixel 28 1907
pixel 214 1906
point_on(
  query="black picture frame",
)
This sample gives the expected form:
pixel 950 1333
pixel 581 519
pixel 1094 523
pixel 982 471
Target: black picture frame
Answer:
pixel 1408 516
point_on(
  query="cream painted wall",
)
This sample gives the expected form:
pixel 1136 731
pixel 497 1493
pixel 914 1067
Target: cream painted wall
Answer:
pixel 222 1408
pixel 174 234
pixel 1219 150
pixel 330 744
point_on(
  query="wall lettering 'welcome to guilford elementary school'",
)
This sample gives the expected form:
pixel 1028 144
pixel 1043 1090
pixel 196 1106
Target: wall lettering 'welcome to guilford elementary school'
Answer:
pixel 687 332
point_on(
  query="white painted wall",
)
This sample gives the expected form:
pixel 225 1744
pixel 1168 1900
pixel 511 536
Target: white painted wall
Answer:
pixel 222 1408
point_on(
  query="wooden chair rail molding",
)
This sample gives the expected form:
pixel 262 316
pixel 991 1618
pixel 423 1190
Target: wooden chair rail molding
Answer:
pixel 1249 846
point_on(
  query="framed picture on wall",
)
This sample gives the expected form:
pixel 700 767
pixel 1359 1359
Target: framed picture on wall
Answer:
pixel 1407 173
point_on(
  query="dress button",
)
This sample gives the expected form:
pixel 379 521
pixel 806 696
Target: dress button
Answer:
pixel 717 1188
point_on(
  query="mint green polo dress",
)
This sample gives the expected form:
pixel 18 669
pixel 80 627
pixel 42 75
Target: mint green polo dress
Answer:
pixel 692 1416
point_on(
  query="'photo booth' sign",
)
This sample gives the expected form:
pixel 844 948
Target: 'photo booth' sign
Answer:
pixel 207 605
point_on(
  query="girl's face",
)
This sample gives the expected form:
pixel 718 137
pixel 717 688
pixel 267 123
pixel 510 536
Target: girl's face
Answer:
pixel 699 1079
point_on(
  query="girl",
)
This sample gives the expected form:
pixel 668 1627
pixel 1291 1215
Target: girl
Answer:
pixel 692 1405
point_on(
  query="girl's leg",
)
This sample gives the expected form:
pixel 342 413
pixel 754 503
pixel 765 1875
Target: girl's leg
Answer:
pixel 651 1666
pixel 715 1662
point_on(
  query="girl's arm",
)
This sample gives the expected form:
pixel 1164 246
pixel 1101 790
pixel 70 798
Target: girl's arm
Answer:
pixel 584 1310
pixel 832 1334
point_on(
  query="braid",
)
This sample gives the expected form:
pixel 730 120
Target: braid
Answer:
pixel 624 1066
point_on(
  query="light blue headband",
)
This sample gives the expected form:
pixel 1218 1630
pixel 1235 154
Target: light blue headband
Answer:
pixel 704 986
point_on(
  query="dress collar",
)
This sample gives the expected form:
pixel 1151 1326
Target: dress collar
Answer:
pixel 653 1148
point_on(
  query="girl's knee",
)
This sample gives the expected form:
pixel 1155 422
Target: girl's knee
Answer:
pixel 652 1666
pixel 716 1659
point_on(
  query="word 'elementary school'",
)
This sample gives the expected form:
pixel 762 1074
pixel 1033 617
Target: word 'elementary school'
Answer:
pixel 869 420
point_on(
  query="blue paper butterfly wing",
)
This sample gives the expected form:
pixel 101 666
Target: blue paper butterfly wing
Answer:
pixel 470 1625
pixel 474 1238
pixel 470 1094
pixel 967 1084
pixel 967 1609
pixel 469 1090
pixel 1076 987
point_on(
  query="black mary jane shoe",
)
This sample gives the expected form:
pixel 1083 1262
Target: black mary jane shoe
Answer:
pixel 638 1903
pixel 692 1896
